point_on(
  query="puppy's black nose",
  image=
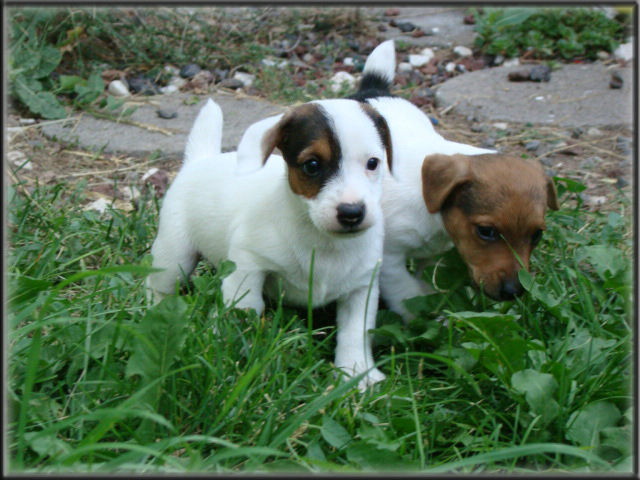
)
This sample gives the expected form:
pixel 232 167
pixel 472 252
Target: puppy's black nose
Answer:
pixel 351 214
pixel 511 289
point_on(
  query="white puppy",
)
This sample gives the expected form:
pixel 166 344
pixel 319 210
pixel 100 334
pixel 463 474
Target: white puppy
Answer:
pixel 443 191
pixel 267 214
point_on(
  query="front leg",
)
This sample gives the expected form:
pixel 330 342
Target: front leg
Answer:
pixel 398 285
pixel 353 350
pixel 244 286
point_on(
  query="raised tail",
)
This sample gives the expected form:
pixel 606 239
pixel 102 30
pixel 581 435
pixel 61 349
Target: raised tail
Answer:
pixel 205 138
pixel 378 74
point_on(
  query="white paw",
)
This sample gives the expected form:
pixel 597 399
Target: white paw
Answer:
pixel 370 379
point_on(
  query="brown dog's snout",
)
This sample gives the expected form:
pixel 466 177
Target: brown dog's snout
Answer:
pixel 510 289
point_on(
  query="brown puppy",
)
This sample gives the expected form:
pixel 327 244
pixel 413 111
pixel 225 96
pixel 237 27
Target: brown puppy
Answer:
pixel 493 208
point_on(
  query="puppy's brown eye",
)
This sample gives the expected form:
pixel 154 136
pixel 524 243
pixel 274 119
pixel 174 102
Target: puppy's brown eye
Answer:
pixel 536 237
pixel 311 167
pixel 487 233
pixel 372 164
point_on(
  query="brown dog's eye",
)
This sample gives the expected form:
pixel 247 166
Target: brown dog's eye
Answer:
pixel 487 233
pixel 537 236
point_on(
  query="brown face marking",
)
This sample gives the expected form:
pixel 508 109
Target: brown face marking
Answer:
pixel 507 193
pixel 306 134
pixel 383 130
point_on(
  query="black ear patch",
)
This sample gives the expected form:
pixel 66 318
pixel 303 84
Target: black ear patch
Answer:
pixel 383 130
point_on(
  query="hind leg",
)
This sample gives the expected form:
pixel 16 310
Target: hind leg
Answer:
pixel 173 253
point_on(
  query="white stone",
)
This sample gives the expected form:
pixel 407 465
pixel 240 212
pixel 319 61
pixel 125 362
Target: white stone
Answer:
pixel 19 159
pixel 130 193
pixel 498 59
pixel 151 171
pixel 450 67
pixel 462 51
pixel 418 60
pixel 169 89
pixel 500 126
pixel 435 29
pixel 427 52
pixel 624 52
pixel 404 67
pixel 512 62
pixel 269 62
pixel 100 205
pixel 246 78
pixel 539 98
pixel 594 132
pixel 174 71
pixel 341 78
pixel 118 89
pixel 348 61
pixel 27 121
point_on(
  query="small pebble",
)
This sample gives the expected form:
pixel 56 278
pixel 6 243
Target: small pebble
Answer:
pixel 478 127
pixel 169 89
pixel 99 205
pixel 500 126
pixel 594 132
pixel 231 83
pixel 337 82
pixel 189 70
pixel 519 76
pixel 246 78
pixel 602 55
pixel 166 114
pixel 404 67
pixel 577 132
pixel 450 67
pixel 419 60
pixel 418 33
pixel 382 28
pixel 498 59
pixel 406 27
pixel 489 142
pixel 550 172
pixel 616 80
pixel 469 19
pixel 532 146
pixel 512 62
pixel 27 121
pixel 540 73
pixel 118 89
pixel 622 182
pixel 392 12
pixel 462 51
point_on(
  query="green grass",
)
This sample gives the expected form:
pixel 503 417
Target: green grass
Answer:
pixel 98 382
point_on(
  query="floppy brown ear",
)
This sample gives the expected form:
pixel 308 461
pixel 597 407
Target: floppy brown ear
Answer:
pixel 552 195
pixel 441 174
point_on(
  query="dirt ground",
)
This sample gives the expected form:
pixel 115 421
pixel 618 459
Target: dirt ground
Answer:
pixel 50 162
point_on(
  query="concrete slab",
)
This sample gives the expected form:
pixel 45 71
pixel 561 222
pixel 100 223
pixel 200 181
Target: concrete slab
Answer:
pixel 577 95
pixel 451 30
pixel 157 134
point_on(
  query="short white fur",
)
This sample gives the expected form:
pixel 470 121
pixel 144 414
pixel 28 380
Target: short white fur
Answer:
pixel 254 219
pixel 410 230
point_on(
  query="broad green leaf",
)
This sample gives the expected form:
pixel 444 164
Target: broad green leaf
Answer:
pixel 334 433
pixel 162 333
pixel 368 457
pixel 49 60
pixel 25 289
pixel 376 437
pixel 536 290
pixel 585 425
pixel 515 16
pixel 606 260
pixel 538 389
pixel 68 82
pixel 47 446
pixel 619 438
